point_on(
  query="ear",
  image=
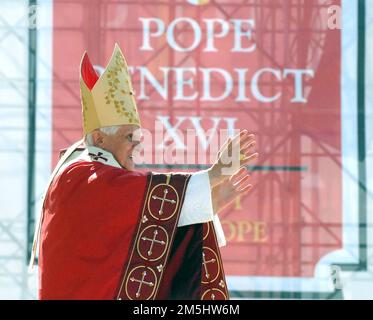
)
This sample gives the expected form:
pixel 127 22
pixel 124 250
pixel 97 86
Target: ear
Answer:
pixel 98 138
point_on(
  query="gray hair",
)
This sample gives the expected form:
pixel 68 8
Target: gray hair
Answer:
pixel 107 130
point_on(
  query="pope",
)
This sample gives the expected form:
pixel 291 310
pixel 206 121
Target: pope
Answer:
pixel 107 231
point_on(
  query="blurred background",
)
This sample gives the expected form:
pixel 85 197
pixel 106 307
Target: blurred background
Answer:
pixel 298 73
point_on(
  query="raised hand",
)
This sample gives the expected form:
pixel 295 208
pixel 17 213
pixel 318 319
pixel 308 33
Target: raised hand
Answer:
pixel 233 155
pixel 224 194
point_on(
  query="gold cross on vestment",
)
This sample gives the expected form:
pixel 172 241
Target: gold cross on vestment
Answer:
pixel 164 199
pixel 141 282
pixel 205 264
pixel 154 240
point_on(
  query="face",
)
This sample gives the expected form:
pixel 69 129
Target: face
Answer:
pixel 121 145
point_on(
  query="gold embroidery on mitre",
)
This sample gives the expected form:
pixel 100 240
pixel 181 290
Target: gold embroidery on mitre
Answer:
pixel 111 101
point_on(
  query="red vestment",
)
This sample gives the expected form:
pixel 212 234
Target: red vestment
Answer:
pixel 93 221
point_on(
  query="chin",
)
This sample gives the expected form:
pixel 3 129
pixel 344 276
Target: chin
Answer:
pixel 129 165
pixel 126 164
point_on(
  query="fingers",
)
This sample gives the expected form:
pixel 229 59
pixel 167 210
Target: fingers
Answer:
pixel 247 151
pixel 243 138
pixel 250 158
pixel 243 184
pixel 241 180
pixel 239 175
pixel 240 137
pixel 245 190
pixel 237 185
pixel 248 146
pixel 246 140
pixel 241 145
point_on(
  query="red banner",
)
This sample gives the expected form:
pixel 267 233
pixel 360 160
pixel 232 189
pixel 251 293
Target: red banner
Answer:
pixel 272 67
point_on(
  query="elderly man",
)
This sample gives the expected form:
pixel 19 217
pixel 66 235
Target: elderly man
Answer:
pixel 109 232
